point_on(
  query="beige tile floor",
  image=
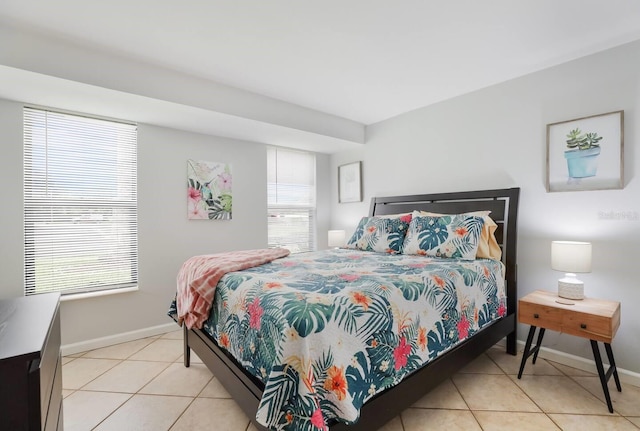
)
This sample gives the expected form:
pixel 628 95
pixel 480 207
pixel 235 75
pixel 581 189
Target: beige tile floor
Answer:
pixel 142 385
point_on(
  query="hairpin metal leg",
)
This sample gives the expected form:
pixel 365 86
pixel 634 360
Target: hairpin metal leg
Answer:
pixel 612 366
pixel 601 373
pixel 538 344
pixel 528 351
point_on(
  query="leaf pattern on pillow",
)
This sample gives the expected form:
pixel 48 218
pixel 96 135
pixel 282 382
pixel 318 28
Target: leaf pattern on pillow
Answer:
pixel 381 234
pixel 449 236
pixel 433 232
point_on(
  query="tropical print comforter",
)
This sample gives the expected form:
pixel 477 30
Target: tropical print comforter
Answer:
pixel 326 331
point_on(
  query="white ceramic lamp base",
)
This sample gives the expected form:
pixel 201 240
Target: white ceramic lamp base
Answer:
pixel 570 287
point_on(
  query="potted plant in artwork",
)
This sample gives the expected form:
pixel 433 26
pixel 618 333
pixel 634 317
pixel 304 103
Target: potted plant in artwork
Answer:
pixel 582 153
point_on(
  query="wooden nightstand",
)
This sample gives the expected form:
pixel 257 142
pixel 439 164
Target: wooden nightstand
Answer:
pixel 594 319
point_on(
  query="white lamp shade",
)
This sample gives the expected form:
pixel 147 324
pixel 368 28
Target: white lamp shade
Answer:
pixel 336 238
pixel 571 256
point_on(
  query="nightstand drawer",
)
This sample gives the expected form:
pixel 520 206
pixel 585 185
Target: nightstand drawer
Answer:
pixel 589 326
pixel 540 315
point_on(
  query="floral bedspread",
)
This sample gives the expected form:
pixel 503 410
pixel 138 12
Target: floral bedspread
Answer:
pixel 326 331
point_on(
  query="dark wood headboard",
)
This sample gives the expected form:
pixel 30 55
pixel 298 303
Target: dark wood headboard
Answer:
pixel 503 204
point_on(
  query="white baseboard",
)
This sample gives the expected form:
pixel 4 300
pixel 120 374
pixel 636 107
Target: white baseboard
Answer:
pixel 583 364
pixel 97 343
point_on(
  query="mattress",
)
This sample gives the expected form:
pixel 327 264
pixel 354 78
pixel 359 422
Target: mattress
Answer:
pixel 326 331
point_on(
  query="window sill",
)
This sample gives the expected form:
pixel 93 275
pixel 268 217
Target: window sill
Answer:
pixel 84 295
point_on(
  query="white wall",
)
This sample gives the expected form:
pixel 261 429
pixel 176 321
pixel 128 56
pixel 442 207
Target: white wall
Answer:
pixel 496 138
pixel 11 198
pixel 166 237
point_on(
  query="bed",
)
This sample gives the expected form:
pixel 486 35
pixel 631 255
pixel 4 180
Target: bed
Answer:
pixel 246 385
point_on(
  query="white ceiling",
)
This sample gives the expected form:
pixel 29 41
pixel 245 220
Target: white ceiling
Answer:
pixel 363 60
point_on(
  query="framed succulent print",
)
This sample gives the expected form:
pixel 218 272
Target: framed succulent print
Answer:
pixel 586 153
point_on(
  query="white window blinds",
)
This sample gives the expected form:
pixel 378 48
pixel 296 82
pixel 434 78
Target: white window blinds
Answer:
pixel 291 199
pixel 80 203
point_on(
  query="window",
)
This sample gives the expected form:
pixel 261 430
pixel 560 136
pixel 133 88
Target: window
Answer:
pixel 80 204
pixel 291 199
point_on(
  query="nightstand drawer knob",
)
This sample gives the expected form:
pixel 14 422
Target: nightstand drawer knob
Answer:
pixel 583 325
pixel 536 315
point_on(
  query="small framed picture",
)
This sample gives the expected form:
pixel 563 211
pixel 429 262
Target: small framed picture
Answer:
pixel 586 153
pixel 350 183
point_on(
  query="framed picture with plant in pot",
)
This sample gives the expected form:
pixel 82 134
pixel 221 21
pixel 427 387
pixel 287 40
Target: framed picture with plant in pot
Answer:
pixel 586 153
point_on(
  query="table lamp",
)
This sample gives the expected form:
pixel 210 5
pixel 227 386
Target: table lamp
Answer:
pixel 336 238
pixel 571 257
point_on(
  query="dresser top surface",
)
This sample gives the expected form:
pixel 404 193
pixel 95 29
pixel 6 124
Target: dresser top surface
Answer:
pixel 25 323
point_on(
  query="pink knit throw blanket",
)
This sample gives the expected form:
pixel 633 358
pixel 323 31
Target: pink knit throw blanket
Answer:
pixel 199 276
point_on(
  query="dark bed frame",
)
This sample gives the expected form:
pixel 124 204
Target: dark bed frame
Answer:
pixel 503 203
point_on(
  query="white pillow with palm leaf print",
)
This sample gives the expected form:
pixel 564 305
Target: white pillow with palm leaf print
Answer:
pixel 381 234
pixel 448 236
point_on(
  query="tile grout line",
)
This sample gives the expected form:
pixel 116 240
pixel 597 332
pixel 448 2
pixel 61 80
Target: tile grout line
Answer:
pixel 99 375
pixel 121 361
pixel 464 399
pixel 181 413
pixel 81 355
pixel 166 368
pixel 603 401
pixel 547 414
pixel 472 412
pixel 114 410
pixel 627 419
pixel 525 392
